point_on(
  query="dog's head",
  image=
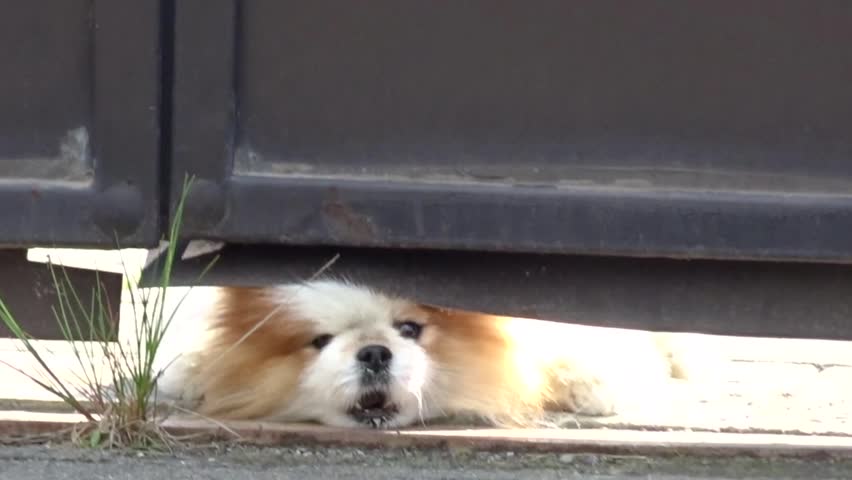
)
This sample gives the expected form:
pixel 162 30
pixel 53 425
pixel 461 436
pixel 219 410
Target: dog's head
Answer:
pixel 335 353
pixel 366 361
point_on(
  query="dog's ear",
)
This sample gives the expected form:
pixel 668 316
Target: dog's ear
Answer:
pixel 432 309
pixel 464 325
pixel 456 314
pixel 254 315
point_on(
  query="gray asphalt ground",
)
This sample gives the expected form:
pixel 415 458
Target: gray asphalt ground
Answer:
pixel 64 463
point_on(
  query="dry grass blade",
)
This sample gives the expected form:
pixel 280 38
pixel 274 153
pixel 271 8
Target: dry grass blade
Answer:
pixel 211 420
pixel 58 388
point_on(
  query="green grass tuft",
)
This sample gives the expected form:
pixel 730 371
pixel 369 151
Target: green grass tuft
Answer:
pixel 116 393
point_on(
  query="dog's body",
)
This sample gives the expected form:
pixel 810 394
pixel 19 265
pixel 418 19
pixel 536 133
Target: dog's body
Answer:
pixel 344 355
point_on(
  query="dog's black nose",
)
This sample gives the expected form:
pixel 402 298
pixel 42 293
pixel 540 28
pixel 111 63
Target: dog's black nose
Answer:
pixel 375 357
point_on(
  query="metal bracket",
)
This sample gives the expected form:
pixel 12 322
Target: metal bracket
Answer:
pixel 28 290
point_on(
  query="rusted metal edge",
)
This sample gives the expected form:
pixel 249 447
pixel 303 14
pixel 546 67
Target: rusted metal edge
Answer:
pixel 644 294
pixel 593 441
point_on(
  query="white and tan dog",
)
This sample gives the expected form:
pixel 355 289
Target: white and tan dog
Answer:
pixel 345 355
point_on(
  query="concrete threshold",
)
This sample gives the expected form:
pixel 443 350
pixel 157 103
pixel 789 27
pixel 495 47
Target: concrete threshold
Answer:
pixel 19 426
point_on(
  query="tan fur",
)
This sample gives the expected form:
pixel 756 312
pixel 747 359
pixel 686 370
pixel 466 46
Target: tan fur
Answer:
pixel 506 370
pixel 251 380
pixel 479 372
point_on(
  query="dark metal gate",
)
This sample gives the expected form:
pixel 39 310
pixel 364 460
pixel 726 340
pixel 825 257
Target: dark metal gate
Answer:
pixel 700 129
pixel 80 123
pixel 506 137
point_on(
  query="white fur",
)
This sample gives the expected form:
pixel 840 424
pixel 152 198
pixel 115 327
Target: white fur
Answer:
pixel 357 317
pixel 602 370
pixel 330 385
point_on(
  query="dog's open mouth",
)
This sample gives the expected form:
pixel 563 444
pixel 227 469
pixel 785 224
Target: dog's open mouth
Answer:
pixel 373 408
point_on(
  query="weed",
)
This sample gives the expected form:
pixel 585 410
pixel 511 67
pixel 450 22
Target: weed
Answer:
pixel 116 391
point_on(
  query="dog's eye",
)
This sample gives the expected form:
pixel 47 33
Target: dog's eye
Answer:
pixel 321 341
pixel 409 329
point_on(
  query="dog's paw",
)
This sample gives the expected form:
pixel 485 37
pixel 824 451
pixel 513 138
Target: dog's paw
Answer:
pixel 582 394
pixel 605 389
pixel 590 397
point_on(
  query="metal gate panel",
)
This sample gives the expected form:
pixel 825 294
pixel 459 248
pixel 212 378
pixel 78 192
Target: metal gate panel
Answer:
pixel 685 129
pixel 79 123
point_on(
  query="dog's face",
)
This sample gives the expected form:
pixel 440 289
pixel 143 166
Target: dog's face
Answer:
pixel 344 355
pixel 367 362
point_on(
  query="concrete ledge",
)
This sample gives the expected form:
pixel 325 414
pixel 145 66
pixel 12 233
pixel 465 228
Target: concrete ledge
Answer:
pixel 23 425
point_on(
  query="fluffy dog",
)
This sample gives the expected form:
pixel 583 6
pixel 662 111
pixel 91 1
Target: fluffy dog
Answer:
pixel 345 355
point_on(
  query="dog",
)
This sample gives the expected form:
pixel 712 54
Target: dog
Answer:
pixel 345 355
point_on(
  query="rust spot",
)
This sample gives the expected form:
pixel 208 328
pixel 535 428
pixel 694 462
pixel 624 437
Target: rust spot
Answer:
pixel 345 222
